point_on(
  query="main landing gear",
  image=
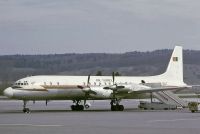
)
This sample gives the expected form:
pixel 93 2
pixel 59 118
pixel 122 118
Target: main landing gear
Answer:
pixel 115 105
pixel 77 107
pixel 25 110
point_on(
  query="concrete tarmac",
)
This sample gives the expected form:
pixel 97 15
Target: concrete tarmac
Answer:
pixel 57 118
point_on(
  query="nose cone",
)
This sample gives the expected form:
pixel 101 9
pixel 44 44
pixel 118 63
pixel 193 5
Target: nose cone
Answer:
pixel 8 92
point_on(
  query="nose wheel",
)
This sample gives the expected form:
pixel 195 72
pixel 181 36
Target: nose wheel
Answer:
pixel 25 110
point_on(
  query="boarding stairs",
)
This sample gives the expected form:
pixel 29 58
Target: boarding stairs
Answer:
pixel 167 97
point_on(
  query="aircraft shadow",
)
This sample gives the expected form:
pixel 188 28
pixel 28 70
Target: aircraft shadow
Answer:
pixel 135 110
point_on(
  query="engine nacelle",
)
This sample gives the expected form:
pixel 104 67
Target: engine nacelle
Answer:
pixel 131 88
pixel 87 89
pixel 100 93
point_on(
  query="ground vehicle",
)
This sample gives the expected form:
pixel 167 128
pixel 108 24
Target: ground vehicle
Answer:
pixel 156 106
pixel 193 106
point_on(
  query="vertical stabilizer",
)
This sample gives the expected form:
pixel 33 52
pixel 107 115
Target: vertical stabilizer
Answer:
pixel 174 70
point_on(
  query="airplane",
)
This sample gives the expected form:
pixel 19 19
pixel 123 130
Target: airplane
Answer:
pixel 82 88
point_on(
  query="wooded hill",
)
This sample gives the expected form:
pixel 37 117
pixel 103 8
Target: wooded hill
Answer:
pixel 13 67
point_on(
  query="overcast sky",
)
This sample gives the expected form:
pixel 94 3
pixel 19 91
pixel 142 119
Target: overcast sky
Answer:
pixel 85 26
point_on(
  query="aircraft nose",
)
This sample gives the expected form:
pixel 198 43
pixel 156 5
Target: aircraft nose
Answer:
pixel 8 92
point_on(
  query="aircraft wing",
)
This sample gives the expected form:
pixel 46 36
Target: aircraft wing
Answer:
pixel 140 88
pixel 157 89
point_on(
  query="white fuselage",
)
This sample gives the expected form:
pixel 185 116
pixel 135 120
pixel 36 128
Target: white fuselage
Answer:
pixel 65 87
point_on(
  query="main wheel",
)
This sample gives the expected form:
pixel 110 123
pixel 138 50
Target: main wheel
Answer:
pixel 80 107
pixel 77 107
pixel 73 107
pixel 113 108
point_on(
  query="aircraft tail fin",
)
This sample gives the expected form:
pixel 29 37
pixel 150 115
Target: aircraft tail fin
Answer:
pixel 174 70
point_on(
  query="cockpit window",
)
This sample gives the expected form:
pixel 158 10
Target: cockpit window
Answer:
pixel 18 83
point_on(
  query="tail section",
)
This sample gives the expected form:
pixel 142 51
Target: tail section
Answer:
pixel 174 72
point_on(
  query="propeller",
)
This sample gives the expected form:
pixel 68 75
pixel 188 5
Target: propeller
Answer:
pixel 87 85
pixel 114 86
pixel 87 90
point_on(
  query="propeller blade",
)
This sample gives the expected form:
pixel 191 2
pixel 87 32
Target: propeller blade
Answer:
pixel 113 76
pixel 88 81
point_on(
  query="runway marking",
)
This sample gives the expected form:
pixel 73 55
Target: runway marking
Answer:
pixel 32 125
pixel 173 120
